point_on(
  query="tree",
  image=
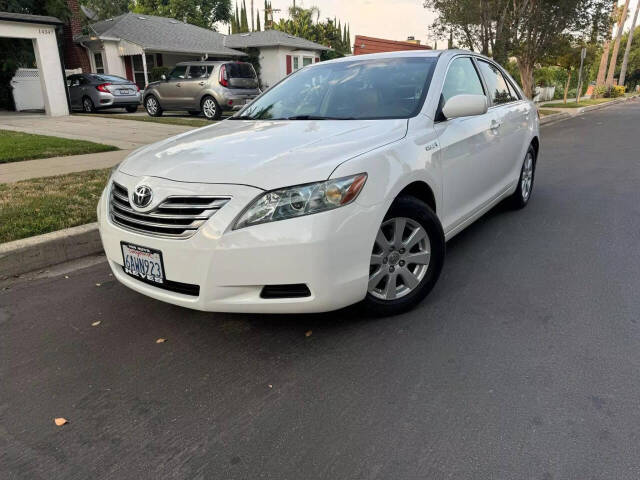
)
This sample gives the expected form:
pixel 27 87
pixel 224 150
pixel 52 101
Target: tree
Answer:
pixel 203 13
pixel 526 29
pixel 257 20
pixel 616 45
pixel 625 60
pixel 104 9
pixel 607 45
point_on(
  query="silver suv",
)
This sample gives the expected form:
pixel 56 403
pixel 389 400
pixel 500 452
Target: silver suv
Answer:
pixel 207 87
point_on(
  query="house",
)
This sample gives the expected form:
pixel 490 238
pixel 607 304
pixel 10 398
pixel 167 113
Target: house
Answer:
pixel 364 45
pixel 131 45
pixel 280 53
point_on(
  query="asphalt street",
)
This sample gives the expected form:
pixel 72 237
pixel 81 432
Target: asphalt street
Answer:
pixel 524 363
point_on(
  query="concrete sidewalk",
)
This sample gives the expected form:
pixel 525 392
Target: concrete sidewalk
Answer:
pixel 47 167
pixel 124 134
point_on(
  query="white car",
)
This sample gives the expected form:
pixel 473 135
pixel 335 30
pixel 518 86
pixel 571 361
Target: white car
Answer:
pixel 339 185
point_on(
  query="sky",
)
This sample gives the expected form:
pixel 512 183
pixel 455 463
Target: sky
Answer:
pixel 391 19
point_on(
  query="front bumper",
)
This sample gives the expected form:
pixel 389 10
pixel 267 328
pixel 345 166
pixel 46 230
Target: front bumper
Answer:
pixel 329 252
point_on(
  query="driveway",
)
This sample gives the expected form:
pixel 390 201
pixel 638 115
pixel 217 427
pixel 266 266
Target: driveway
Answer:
pixel 124 134
pixel 522 364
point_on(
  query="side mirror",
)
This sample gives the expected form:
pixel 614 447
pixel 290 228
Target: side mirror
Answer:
pixel 465 106
pixel 163 77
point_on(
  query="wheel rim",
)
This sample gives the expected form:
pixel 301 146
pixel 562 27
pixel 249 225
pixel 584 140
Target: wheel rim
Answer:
pixel 209 108
pixel 87 105
pixel 152 105
pixel 526 182
pixel 399 260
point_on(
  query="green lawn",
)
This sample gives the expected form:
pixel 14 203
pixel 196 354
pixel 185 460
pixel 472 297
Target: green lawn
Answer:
pixel 544 113
pixel 573 104
pixel 17 146
pixel 42 205
pixel 188 122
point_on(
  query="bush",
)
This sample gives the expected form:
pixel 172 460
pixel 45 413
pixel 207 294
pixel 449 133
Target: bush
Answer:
pixel 156 73
pixel 618 91
pixel 599 91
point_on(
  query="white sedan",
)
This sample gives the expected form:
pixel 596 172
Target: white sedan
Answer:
pixel 339 185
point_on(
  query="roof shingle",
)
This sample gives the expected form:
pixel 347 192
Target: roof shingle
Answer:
pixel 271 38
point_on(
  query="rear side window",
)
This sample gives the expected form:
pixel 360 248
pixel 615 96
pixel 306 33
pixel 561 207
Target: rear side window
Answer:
pixel 240 70
pixel 106 78
pixel 462 79
pixel 197 71
pixel 499 89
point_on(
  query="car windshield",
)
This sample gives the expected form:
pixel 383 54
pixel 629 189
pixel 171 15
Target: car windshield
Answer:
pixel 106 78
pixel 350 90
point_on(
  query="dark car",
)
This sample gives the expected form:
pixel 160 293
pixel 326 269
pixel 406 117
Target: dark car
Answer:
pixel 96 91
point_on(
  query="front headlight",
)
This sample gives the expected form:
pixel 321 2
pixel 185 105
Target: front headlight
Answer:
pixel 302 200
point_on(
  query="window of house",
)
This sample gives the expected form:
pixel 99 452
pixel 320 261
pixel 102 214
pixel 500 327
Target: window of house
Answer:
pixel 99 63
pixel 497 85
pixel 307 61
pixel 295 63
pixel 138 68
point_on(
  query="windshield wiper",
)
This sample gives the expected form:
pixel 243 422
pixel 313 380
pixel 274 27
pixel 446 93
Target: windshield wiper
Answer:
pixel 318 117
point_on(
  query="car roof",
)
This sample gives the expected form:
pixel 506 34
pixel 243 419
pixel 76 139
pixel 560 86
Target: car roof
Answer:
pixel 206 63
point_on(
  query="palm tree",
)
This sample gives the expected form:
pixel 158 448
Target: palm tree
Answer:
pixel 625 61
pixel 616 46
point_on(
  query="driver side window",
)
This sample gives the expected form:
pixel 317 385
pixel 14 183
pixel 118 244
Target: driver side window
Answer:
pixel 178 73
pixel 462 79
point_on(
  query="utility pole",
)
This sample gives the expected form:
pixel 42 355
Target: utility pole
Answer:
pixel 616 46
pixel 583 54
pixel 625 61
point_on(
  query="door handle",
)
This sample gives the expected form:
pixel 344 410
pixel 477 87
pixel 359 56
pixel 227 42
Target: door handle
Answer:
pixel 178 84
pixel 201 83
pixel 495 125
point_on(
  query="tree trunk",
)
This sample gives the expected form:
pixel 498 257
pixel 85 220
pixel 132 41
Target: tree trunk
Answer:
pixel 566 87
pixel 526 76
pixel 625 60
pixel 616 46
pixel 602 71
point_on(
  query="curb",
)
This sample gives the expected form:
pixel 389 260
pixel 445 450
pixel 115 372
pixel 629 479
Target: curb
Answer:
pixel 560 116
pixel 42 251
pixel 553 118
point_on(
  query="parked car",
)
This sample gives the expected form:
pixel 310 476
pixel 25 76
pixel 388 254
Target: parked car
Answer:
pixel 339 185
pixel 203 87
pixel 96 91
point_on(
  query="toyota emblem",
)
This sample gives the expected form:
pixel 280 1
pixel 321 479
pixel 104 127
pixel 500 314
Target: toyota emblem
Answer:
pixel 142 196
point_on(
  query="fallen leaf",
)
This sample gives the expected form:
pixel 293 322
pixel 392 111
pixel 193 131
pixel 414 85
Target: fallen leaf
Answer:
pixel 308 334
pixel 66 276
pixel 98 284
pixel 95 324
pixel 60 421
pixel 270 386
pixel 161 340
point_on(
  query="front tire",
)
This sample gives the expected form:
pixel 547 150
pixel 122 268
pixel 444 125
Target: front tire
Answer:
pixel 152 106
pixel 522 195
pixel 407 258
pixel 210 108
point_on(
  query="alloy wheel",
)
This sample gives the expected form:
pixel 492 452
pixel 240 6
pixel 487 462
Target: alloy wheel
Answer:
pixel 152 105
pixel 526 182
pixel 209 108
pixel 88 105
pixel 399 260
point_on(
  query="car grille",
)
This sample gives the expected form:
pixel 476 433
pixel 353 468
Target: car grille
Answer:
pixel 176 217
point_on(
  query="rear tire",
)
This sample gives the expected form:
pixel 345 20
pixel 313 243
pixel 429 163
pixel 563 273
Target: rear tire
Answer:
pixel 131 108
pixel 87 105
pixel 194 113
pixel 407 258
pixel 152 106
pixel 522 195
pixel 210 108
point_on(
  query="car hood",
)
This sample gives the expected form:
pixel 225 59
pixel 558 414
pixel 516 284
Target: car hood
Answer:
pixel 263 154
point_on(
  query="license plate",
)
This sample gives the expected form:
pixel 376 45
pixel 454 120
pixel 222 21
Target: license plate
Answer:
pixel 125 92
pixel 143 263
